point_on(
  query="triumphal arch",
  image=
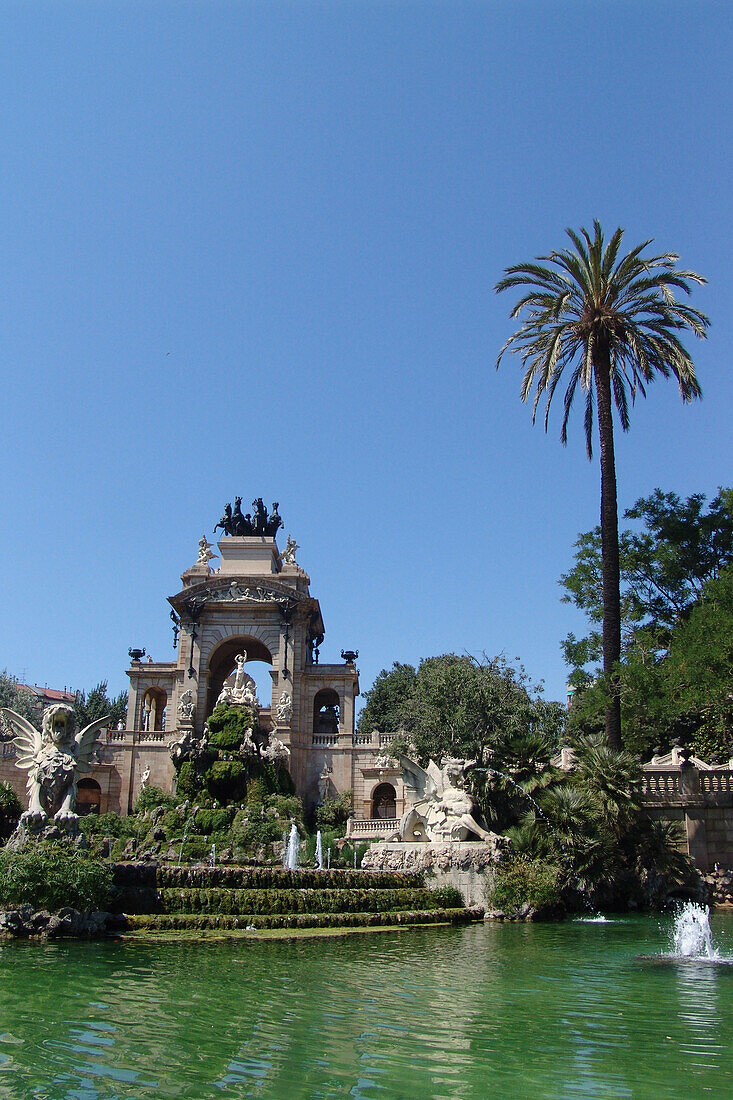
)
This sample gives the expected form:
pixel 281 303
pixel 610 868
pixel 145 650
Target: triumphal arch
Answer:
pixel 243 597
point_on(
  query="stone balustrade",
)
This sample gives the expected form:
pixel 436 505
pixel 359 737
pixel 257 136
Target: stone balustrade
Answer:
pixel 7 750
pixel 716 782
pixel 661 785
pixel 325 740
pixel 688 785
pixel 700 799
pixel 372 827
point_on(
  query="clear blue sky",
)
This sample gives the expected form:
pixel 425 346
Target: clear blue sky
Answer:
pixel 250 248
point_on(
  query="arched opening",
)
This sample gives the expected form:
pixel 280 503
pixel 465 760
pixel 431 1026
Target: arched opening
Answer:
pixel 384 801
pixel 153 711
pixel 223 665
pixel 88 797
pixel 326 713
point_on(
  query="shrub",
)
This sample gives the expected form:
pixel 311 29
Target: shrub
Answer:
pixel 522 882
pixel 10 810
pixel 112 825
pixel 51 876
pixel 228 726
pixel 209 821
pixel 151 797
pixel 187 784
pixel 257 792
pixel 333 813
pixel 226 779
pixel 446 897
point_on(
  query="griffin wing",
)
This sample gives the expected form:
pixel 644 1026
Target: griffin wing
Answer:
pixel 420 782
pixel 86 741
pixel 27 739
pixel 436 776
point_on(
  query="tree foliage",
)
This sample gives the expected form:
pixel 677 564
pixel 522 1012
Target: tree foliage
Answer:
pixel 588 826
pixel 458 705
pixel 18 698
pixel 610 323
pixel 98 704
pixel 665 565
pixel 10 810
pixel 677 663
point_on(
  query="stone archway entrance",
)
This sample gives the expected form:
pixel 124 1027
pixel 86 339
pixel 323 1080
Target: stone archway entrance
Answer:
pixel 384 801
pixel 223 663
pixel 88 797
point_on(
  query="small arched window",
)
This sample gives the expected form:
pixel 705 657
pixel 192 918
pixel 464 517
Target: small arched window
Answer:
pixel 384 801
pixel 88 797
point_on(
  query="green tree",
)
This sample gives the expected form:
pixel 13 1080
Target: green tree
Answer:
pixel 612 324
pixel 18 698
pixel 459 705
pixel 10 810
pixel 677 608
pixel 98 704
pixel 385 700
pixel 664 567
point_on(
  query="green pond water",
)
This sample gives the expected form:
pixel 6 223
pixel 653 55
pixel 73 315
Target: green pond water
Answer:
pixel 513 1010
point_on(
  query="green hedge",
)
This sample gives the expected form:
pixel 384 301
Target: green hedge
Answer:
pixel 184 922
pixel 52 876
pixel 262 878
pixel 293 901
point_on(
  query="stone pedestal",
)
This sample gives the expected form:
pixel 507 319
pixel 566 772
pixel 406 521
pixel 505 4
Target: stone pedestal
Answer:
pixel 59 832
pixel 468 865
pixel 249 555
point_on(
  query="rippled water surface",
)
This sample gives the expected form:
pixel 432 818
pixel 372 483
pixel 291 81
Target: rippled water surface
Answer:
pixel 564 1010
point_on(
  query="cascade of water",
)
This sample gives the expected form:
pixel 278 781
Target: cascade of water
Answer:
pixel 691 935
pixel 319 851
pixel 212 856
pixel 185 832
pixel 293 848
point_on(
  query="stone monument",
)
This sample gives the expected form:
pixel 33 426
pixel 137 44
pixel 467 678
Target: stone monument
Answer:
pixel 433 835
pixel 54 758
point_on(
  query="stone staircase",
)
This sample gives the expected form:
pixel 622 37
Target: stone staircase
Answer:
pixel 164 898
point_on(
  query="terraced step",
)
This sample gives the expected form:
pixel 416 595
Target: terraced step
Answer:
pixel 267 878
pixel 289 901
pixel 181 922
pixel 152 876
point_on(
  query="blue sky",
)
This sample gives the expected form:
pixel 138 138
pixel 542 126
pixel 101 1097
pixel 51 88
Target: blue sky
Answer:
pixel 250 248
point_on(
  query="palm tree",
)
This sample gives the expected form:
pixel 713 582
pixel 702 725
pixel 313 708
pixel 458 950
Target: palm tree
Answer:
pixel 613 324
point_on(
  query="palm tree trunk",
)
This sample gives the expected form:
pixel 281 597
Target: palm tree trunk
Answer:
pixel 609 546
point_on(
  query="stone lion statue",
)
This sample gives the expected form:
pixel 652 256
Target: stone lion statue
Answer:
pixel 54 759
pixel 443 810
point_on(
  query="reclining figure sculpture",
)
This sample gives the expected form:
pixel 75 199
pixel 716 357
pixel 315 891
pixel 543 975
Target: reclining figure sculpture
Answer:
pixel 443 810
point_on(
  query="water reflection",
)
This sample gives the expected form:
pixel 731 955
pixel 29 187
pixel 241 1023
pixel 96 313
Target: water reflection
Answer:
pixel 549 1011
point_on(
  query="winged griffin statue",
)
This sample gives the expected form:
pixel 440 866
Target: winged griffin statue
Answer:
pixel 442 810
pixel 54 760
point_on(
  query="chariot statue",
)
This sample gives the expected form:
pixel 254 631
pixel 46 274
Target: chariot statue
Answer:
pixel 443 810
pixel 54 758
